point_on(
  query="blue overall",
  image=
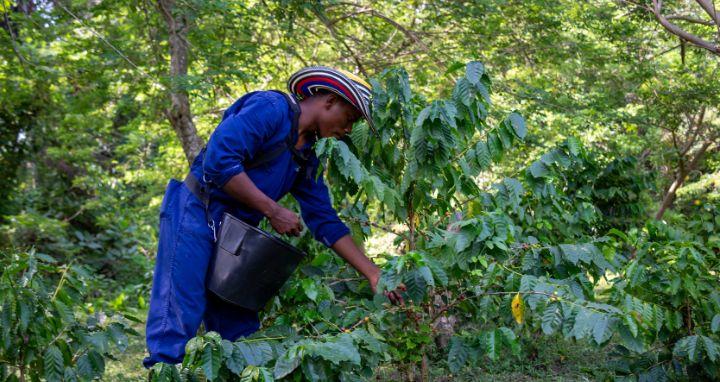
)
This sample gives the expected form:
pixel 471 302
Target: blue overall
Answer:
pixel 256 123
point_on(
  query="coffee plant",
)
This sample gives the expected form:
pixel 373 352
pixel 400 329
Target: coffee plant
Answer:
pixel 670 287
pixel 489 263
pixel 42 335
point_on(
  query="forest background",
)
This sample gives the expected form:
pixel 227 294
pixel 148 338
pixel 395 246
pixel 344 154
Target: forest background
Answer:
pixel 545 182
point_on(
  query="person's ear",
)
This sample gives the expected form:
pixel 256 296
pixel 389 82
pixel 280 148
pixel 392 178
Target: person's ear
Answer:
pixel 330 100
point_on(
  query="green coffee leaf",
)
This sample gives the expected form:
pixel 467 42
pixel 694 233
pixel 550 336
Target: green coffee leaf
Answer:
pixel 538 169
pixel 506 137
pixel 416 286
pixel 163 372
pixel 495 146
pixel 235 362
pixel 489 342
pixel 689 347
pixel 287 362
pixel 518 124
pixel 310 288
pixel 255 353
pixel 336 350
pixel 474 71
pixel 211 360
pixel 53 364
pixel 426 274
pixel 458 354
pixel 601 332
pixel 316 371
pixel 551 318
pixel 712 350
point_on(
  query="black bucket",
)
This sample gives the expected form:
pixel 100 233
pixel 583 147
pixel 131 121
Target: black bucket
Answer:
pixel 250 265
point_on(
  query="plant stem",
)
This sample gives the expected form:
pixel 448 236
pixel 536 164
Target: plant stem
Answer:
pixel 62 280
pixel 411 221
pixel 382 227
pixel 263 339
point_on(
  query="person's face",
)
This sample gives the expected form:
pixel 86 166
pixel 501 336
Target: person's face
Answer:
pixel 336 117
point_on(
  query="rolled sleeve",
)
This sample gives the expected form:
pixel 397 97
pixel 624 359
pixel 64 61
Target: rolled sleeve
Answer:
pixel 241 134
pixel 316 208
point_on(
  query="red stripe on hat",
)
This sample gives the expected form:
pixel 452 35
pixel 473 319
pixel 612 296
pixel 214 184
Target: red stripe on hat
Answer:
pixel 332 81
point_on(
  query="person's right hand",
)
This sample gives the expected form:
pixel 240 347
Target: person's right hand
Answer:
pixel 285 221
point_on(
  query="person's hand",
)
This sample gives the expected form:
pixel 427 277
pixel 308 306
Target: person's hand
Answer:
pixel 394 296
pixel 285 221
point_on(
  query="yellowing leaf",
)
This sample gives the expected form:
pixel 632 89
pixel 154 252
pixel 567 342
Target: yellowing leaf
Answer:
pixel 518 309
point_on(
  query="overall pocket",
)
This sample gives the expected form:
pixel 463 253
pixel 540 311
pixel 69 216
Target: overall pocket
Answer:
pixel 170 197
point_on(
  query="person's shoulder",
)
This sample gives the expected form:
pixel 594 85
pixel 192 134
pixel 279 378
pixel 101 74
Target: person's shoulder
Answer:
pixel 277 102
pixel 265 104
pixel 275 98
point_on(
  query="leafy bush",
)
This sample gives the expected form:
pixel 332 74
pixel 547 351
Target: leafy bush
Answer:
pixel 670 287
pixel 42 335
pixel 486 271
pixel 112 249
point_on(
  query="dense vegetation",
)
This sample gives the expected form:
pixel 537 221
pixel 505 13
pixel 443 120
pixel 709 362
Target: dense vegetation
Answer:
pixel 544 171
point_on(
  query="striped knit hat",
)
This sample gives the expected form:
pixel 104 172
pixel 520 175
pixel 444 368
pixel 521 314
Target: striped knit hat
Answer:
pixel 307 81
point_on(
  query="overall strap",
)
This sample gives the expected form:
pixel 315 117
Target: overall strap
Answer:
pixel 203 192
pixel 289 143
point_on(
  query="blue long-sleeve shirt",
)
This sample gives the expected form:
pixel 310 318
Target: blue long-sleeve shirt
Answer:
pixel 260 125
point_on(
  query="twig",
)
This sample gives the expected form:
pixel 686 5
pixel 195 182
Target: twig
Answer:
pixel 76 214
pixel 62 280
pixel 325 21
pixel 263 339
pixel 462 298
pixel 13 39
pixel 690 19
pixel 346 280
pixel 369 223
pixel 98 35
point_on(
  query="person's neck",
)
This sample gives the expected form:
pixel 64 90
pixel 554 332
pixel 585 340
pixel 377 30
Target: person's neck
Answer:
pixel 307 127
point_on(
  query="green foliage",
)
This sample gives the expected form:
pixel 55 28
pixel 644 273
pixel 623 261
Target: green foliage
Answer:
pixel 669 288
pixel 543 236
pixel 486 201
pixel 266 358
pixel 43 335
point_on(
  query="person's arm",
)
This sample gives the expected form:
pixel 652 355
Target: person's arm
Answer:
pixel 346 248
pixel 242 188
pixel 321 218
pixel 237 139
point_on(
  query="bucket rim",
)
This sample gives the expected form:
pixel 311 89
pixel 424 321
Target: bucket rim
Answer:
pixel 268 235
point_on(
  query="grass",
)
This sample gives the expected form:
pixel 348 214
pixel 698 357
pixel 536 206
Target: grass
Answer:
pixel 128 365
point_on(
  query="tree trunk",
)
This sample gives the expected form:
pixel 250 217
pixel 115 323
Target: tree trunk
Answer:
pixel 680 179
pixel 179 113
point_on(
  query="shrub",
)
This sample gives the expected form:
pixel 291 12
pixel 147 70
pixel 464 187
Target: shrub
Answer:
pixel 42 335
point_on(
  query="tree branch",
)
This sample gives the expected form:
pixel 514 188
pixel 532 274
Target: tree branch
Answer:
pixel 410 34
pixel 331 28
pixel 179 114
pixel 690 20
pixel 349 15
pixel 695 131
pixel 669 197
pixel 676 30
pixel 709 8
